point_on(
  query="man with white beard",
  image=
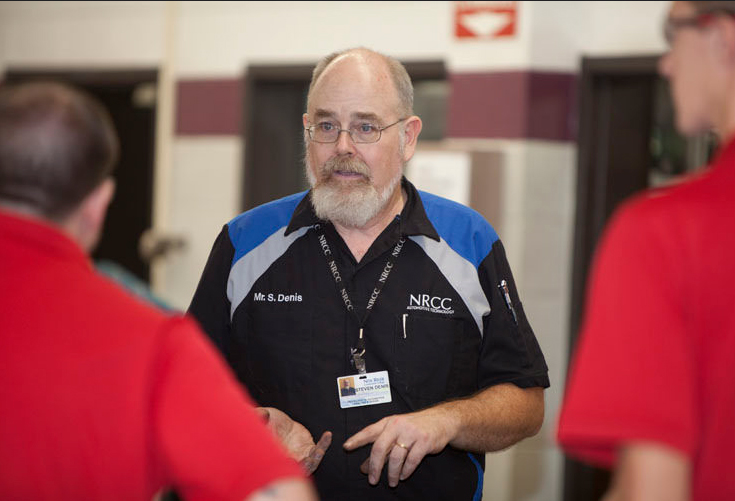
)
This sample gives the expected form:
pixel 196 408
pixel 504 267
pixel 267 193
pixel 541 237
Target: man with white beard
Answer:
pixel 364 276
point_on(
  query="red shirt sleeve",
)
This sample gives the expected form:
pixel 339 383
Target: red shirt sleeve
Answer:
pixel 632 376
pixel 214 445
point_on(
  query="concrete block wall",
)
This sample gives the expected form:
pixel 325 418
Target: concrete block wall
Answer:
pixel 513 100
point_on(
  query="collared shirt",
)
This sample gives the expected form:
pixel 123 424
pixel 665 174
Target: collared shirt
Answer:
pixel 104 397
pixel 654 358
pixel 441 327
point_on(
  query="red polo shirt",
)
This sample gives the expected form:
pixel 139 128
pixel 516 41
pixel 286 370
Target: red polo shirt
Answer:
pixel 655 357
pixel 104 397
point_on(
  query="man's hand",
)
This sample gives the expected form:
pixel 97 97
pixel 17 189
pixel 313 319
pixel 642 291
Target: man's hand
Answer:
pixel 296 438
pixel 491 420
pixel 403 440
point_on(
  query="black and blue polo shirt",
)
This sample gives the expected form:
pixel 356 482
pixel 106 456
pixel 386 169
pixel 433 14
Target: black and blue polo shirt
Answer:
pixel 447 323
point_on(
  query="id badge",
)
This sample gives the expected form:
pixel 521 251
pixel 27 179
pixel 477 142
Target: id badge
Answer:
pixel 363 389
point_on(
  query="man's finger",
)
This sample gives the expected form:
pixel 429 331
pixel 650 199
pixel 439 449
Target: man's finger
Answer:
pixel 322 445
pixel 378 455
pixel 413 458
pixel 367 435
pixel 396 458
pixel 312 460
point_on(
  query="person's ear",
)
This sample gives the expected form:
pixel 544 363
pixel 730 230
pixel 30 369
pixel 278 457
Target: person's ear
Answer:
pixel 92 212
pixel 412 130
pixel 724 39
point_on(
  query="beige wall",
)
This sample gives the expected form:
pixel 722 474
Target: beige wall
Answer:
pixel 198 177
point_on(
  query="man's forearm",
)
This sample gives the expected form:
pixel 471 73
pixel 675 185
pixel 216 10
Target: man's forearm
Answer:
pixel 493 419
pixel 650 472
pixel 285 490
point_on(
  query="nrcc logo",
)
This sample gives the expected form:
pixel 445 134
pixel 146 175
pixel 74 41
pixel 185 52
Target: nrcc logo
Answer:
pixel 427 302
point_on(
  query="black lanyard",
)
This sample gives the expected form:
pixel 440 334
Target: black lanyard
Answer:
pixel 358 352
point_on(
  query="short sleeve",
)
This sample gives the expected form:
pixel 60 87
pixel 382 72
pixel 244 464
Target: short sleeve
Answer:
pixel 510 352
pixel 210 306
pixel 632 374
pixel 206 433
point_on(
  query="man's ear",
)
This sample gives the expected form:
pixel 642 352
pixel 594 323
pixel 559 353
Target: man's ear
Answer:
pixel 91 214
pixel 725 39
pixel 412 130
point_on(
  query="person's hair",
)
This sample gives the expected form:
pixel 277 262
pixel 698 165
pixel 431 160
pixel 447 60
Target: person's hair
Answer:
pixel 57 144
pixel 398 73
pixel 713 7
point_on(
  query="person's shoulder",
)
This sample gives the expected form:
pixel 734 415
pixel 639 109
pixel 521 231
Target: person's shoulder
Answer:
pixel 444 212
pixel 279 210
pixel 683 197
pixel 255 225
pixel 463 228
pixel 122 310
pixel 685 210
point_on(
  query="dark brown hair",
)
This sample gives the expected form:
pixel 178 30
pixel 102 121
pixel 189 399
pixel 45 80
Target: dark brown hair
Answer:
pixel 57 144
pixel 713 7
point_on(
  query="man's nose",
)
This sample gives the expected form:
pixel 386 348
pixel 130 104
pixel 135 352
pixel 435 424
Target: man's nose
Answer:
pixel 345 145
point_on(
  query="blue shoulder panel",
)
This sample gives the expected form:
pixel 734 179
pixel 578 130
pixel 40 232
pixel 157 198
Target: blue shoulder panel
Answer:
pixel 463 229
pixel 261 222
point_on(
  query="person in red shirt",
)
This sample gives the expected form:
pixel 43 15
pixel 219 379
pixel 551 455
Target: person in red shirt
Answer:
pixel 101 395
pixel 650 389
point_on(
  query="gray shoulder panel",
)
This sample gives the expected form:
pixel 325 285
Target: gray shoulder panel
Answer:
pixel 252 265
pixel 461 274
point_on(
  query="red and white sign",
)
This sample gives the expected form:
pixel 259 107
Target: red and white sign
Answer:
pixel 487 20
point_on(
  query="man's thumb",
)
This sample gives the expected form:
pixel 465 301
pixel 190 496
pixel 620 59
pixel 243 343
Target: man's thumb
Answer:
pixel 263 413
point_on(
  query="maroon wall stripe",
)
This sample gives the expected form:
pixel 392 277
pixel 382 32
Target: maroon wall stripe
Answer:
pixel 513 105
pixel 208 107
pixel 487 105
pixel 508 105
pixel 552 109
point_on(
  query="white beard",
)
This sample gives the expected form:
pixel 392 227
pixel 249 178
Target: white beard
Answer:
pixel 350 203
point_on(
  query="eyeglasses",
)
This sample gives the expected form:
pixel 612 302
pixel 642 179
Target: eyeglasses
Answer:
pixel 362 132
pixel 673 24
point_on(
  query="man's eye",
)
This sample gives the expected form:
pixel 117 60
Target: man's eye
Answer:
pixel 326 126
pixel 366 127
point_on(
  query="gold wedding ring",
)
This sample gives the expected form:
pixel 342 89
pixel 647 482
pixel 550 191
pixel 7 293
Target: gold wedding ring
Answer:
pixel 402 445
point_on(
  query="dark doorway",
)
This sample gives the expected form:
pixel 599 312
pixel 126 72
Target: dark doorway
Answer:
pixel 129 96
pixel 275 99
pixel 627 142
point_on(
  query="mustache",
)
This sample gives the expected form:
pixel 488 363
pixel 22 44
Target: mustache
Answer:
pixel 344 164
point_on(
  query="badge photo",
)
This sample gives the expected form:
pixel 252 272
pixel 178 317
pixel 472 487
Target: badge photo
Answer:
pixel 363 389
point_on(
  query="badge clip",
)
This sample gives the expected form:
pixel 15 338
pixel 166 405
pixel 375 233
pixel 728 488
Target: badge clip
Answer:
pixel 358 362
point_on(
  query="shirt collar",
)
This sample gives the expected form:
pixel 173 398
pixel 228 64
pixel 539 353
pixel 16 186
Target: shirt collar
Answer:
pixel 725 154
pixel 413 220
pixel 41 236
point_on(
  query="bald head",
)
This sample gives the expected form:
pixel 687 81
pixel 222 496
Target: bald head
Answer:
pixel 378 65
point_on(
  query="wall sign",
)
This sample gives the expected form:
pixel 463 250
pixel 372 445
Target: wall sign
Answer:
pixel 485 20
